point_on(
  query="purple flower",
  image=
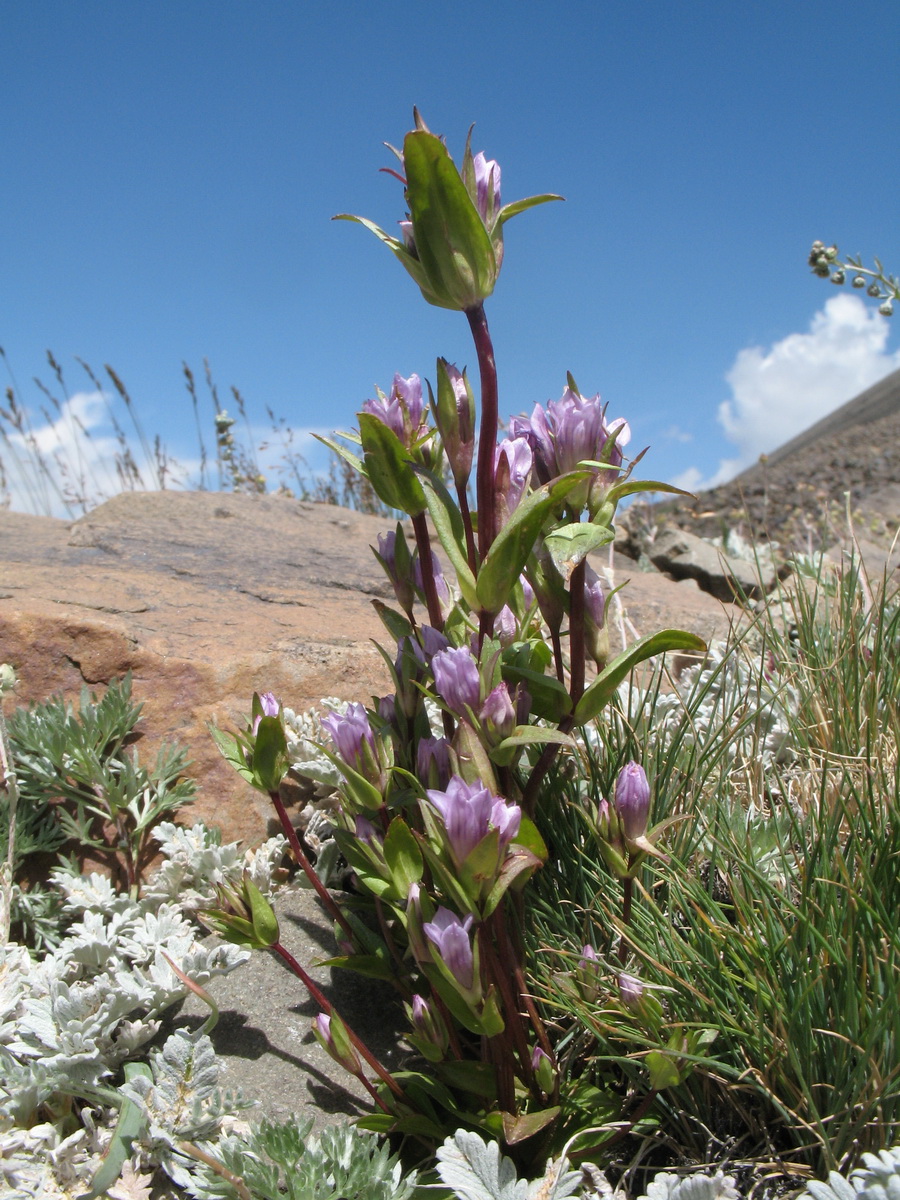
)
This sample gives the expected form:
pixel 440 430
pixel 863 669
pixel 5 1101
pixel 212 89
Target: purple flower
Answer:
pixel 432 641
pixel 387 709
pixel 505 626
pixel 433 761
pixel 334 1038
pixel 573 429
pixel 498 714
pixel 487 187
pixel 402 410
pixel 594 599
pixel 427 1022
pixel 450 937
pixel 440 583
pixel 469 812
pixel 457 680
pixel 351 734
pixel 589 960
pixel 365 831
pixel 632 800
pixel 630 990
pixel 454 414
pixel 513 459
pixel 393 554
pixel 270 708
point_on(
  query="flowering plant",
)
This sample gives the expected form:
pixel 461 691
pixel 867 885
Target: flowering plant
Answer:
pixel 444 814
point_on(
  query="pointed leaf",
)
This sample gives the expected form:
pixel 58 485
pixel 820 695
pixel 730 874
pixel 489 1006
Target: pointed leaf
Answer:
pixel 570 544
pixel 129 1126
pixel 448 525
pixel 403 856
pixel 601 690
pixel 388 466
pixel 520 206
pixel 518 1128
pixel 633 486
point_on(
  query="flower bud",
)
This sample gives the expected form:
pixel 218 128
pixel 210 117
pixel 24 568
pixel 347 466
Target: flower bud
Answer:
pixel 838 277
pixel 630 991
pixel 632 800
pixel 428 1024
pixel 457 680
pixel 544 1071
pixel 887 308
pixel 498 716
pixel 454 415
pixel 332 1034
pixel 433 762
pixel 859 281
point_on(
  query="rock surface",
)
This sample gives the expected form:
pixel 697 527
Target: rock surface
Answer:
pixel 209 597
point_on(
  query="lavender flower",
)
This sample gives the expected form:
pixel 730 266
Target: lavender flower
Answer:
pixel 270 708
pixel 573 429
pixel 393 554
pixel 498 714
pixel 354 740
pixel 630 990
pixel 332 1034
pixel 402 410
pixel 454 414
pixel 450 937
pixel 469 812
pixel 513 460
pixel 433 761
pixel 632 800
pixel 457 680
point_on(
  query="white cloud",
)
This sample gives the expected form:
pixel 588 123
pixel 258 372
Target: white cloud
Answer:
pixel 72 459
pixel 779 392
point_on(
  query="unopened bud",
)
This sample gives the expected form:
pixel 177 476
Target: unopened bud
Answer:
pixel 887 308
pixel 873 290
pixel 334 1038
pixel 838 277
pixel 859 281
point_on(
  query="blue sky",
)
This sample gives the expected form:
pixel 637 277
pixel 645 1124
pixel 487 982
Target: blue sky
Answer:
pixel 170 171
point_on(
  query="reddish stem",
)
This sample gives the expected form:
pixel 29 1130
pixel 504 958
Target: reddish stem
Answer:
pixel 488 433
pixel 309 871
pixel 426 561
pixel 327 1007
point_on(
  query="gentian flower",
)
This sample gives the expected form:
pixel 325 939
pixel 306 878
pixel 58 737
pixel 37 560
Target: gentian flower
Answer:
pixel 394 556
pixel 428 1024
pixel 270 708
pixel 498 715
pixel 630 990
pixel 596 636
pixel 469 812
pixel 433 761
pixel 402 410
pixel 332 1034
pixel 513 460
pixel 452 241
pixel 457 680
pixel 354 740
pixel 573 429
pixel 450 937
pixel 632 800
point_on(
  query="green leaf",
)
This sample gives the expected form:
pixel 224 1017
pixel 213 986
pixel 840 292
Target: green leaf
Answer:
pixel 663 1069
pixel 265 923
pixel 403 856
pixel 631 487
pixel 388 466
pixel 355 462
pixel 369 965
pixel 602 689
pixel 130 1125
pixel 232 750
pixel 448 525
pixel 515 865
pixel 549 698
pixel 527 735
pixel 394 622
pixel 518 1128
pixel 452 243
pixel 507 556
pixel 570 544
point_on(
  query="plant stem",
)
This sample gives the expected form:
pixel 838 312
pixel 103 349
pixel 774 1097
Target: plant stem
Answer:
pixel 308 870
pixel 426 561
pixel 576 633
pixel 326 1006
pixel 627 894
pixel 471 552
pixel 488 431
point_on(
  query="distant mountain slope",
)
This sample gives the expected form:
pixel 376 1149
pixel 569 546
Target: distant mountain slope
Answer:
pixel 797 493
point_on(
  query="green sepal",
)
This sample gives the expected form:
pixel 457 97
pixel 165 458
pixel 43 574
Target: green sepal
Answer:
pixel 269 763
pixel 403 856
pixel 357 787
pixel 603 688
pixel 402 252
pixel 519 1128
pixel 394 622
pixel 519 206
pixel 527 735
pixel 448 525
pixel 662 1069
pixel 388 466
pixel 513 871
pixel 451 241
pixel 529 836
pixel 130 1127
pixel 507 556
pixel 570 544
pixel 262 915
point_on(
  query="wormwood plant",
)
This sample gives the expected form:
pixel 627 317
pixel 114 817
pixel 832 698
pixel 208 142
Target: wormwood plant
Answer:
pixel 446 806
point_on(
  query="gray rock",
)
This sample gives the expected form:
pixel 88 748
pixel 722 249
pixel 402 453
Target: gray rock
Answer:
pixel 683 555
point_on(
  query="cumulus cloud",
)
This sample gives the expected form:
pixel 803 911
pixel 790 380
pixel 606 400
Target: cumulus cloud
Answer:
pixel 778 392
